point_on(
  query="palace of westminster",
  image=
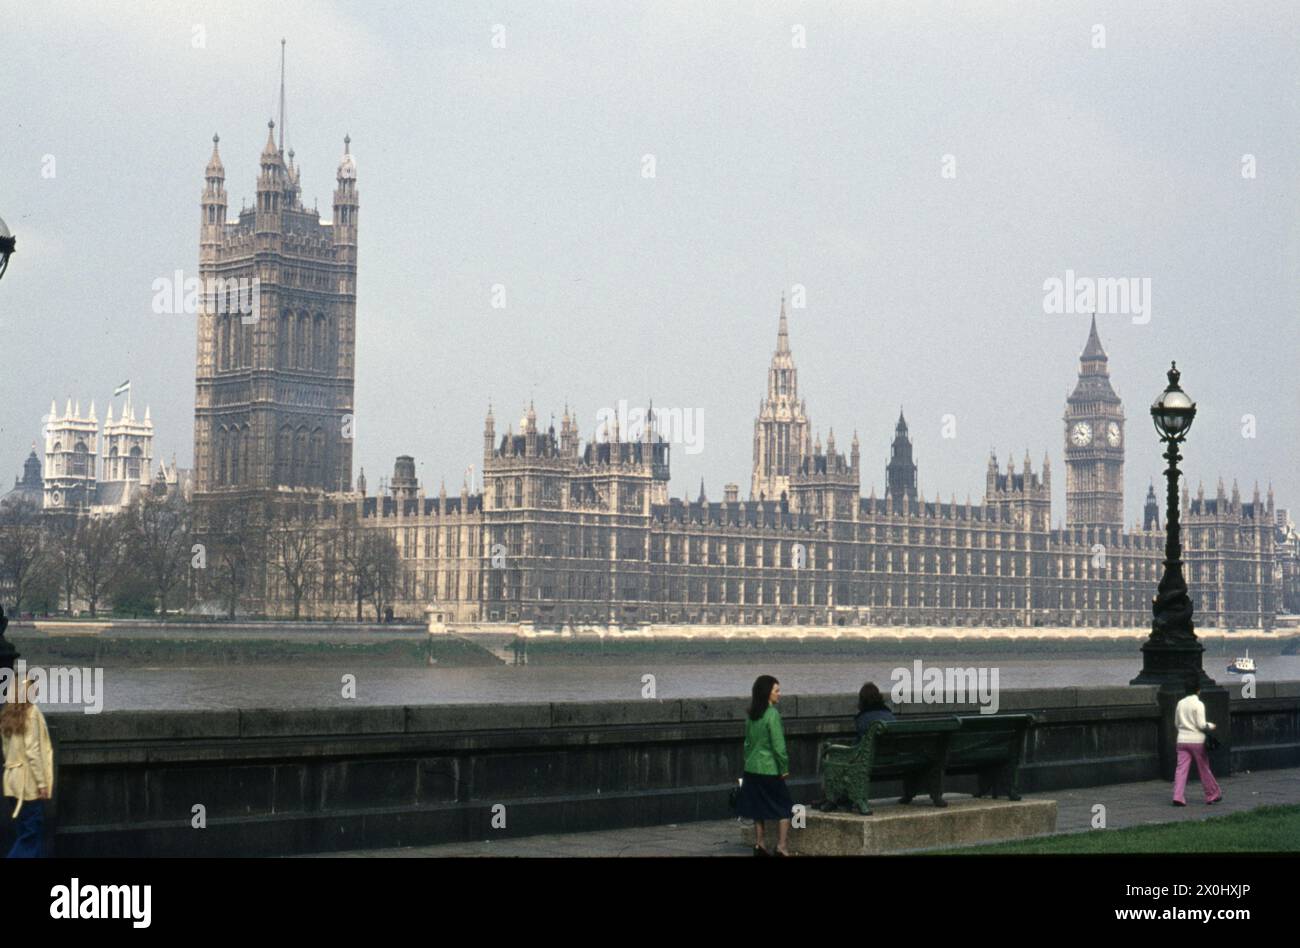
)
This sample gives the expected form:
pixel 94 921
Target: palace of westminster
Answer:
pixel 566 533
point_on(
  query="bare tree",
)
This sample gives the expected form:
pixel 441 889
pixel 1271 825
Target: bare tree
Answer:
pixel 158 542
pixel 296 548
pixel 349 548
pixel 25 557
pixel 237 545
pixel 63 536
pixel 384 567
pixel 100 550
pixel 369 560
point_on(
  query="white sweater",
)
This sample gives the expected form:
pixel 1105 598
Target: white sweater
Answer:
pixel 1189 717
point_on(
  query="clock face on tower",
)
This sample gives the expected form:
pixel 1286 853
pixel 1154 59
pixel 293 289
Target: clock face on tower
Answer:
pixel 1112 434
pixel 1081 434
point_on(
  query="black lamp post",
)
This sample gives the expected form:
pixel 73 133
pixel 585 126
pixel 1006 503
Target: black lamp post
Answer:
pixel 8 654
pixel 1172 651
pixel 7 244
pixel 1171 655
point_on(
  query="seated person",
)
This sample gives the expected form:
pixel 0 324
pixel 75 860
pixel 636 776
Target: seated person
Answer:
pixel 871 707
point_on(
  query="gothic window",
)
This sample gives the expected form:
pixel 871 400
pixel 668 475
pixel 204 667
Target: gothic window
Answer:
pixel 80 459
pixel 318 343
pixel 283 456
pixel 234 456
pixel 237 342
pixel 245 450
pixel 222 343
pixel 132 464
pixel 500 493
pixel 221 456
pixel 298 473
pixel 315 458
pixel 282 343
pixel 301 340
pixel 519 491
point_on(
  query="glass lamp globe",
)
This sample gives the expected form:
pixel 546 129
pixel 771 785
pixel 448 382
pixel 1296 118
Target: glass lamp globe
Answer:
pixel 1173 411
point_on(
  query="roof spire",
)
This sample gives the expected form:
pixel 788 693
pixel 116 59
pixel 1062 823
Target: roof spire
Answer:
pixel 215 168
pixel 783 329
pixel 1093 350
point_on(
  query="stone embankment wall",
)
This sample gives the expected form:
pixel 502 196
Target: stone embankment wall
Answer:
pixel 275 782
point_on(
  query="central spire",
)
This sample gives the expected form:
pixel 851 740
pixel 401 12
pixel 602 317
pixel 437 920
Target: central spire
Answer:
pixel 783 330
pixel 781 431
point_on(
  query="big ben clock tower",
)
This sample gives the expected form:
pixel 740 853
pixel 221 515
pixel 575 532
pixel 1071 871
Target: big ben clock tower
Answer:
pixel 1094 444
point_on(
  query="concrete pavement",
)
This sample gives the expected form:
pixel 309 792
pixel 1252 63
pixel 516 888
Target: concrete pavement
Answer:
pixel 1129 804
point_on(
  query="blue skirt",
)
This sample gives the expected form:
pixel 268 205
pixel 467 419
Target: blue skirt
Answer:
pixel 29 829
pixel 764 797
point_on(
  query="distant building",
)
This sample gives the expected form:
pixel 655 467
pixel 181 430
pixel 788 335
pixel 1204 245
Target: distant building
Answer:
pixel 71 458
pixel 1094 444
pixel 273 394
pixel 565 533
pixel 30 488
pixel 781 430
pixel 89 469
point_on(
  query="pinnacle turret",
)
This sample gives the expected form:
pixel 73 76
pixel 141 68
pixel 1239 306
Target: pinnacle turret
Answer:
pixel 215 168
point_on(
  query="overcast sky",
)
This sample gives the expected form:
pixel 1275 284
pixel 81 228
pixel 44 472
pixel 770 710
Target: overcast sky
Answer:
pixel 777 163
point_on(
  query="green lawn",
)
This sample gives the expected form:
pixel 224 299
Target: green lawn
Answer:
pixel 1267 829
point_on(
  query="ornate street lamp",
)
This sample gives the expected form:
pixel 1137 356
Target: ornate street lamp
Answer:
pixel 1172 651
pixel 7 244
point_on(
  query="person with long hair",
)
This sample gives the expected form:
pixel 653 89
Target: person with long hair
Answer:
pixel 29 767
pixel 871 707
pixel 764 796
pixel 1189 718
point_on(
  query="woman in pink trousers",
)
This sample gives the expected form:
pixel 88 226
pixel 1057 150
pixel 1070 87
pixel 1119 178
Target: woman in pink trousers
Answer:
pixel 1189 718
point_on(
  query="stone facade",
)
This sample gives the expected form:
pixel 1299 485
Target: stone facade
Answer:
pixel 1094 444
pixel 565 534
pixel 781 428
pixel 274 386
pixel 568 535
pixel 77 479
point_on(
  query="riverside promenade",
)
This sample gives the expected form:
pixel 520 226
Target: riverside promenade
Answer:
pixel 1144 803
pixel 294 781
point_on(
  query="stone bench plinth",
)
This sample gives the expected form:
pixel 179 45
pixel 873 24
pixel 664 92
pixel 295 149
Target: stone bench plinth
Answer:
pixel 895 828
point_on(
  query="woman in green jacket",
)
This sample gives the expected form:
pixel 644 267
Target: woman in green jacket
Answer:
pixel 763 793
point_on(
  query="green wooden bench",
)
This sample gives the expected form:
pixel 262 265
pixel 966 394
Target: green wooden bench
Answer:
pixel 991 746
pixel 916 751
pixel 921 753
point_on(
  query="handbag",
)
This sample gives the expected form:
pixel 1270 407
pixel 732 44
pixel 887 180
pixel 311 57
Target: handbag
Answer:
pixel 1211 742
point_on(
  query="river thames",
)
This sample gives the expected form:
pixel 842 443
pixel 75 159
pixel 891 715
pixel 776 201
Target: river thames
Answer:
pixel 294 685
